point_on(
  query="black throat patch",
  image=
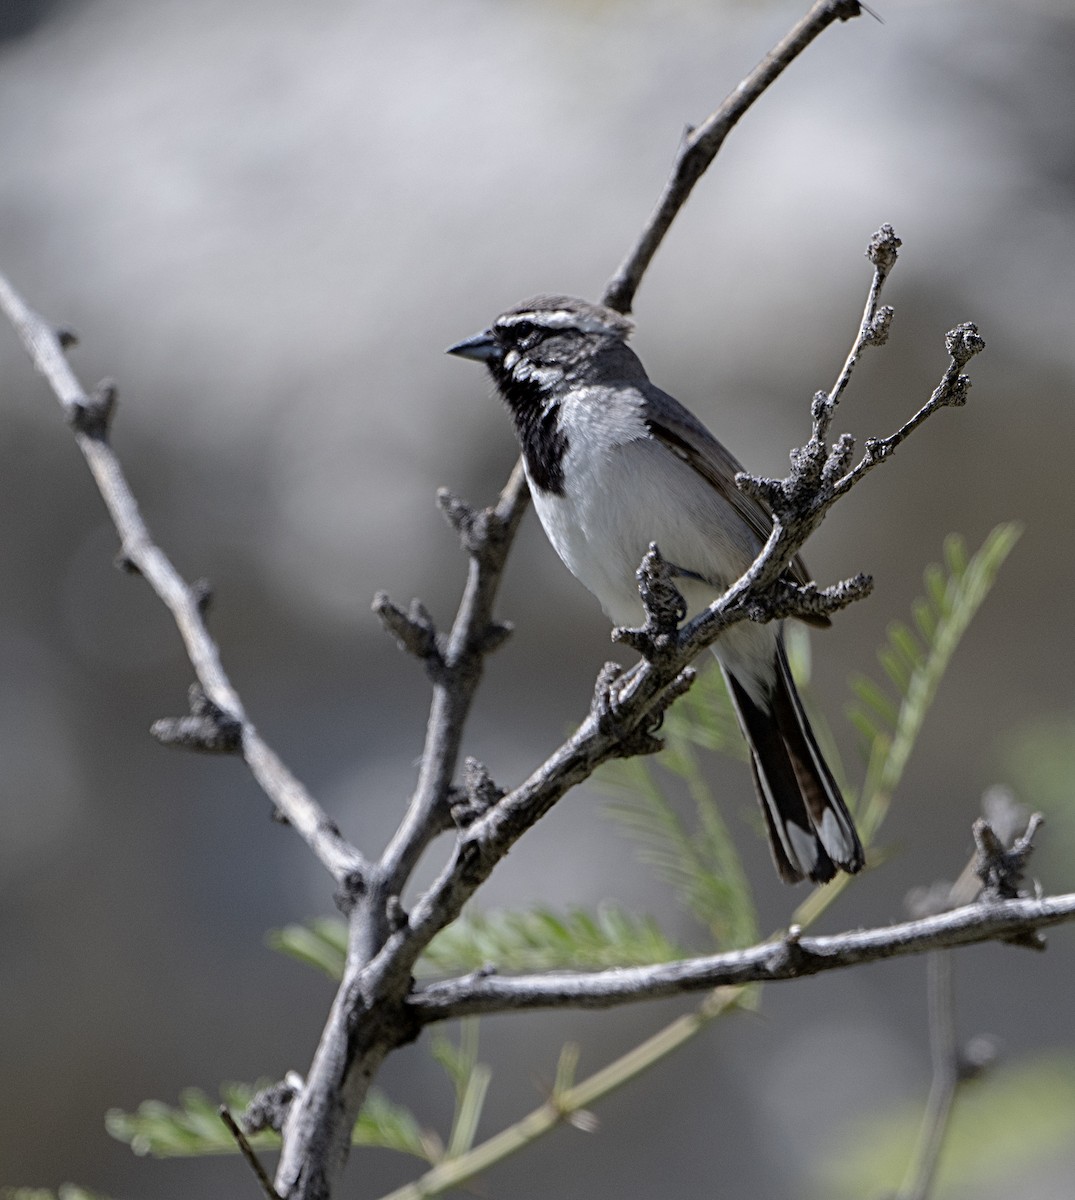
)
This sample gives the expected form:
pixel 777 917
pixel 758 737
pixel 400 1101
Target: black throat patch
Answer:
pixel 537 424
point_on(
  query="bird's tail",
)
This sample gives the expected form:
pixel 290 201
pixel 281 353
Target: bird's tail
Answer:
pixel 810 829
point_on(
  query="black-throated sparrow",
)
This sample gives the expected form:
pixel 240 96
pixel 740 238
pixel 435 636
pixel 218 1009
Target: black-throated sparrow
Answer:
pixel 614 463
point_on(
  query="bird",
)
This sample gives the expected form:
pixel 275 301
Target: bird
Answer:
pixel 614 464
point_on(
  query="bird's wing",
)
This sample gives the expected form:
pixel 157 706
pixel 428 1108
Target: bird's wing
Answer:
pixel 689 440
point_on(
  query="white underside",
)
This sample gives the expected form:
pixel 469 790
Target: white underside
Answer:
pixel 621 497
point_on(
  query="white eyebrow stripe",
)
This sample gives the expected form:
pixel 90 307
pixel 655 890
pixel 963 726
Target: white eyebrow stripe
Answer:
pixel 559 318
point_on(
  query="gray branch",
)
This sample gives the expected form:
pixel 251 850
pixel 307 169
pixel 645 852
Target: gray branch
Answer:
pixel 89 416
pixel 368 1018
pixel 700 146
pixel 487 536
pixel 792 957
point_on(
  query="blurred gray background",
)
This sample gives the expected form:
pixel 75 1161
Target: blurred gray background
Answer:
pixel 266 220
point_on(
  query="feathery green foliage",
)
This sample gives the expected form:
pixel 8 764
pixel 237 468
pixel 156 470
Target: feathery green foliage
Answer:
pixel 542 940
pixel 320 943
pixel 470 1079
pixel 194 1127
pixel 915 660
pixel 538 940
pixel 699 861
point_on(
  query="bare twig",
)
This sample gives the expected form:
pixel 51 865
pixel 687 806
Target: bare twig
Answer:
pixel 89 416
pixel 882 251
pixel 819 477
pixel 699 147
pixel 368 1019
pixel 963 342
pixel 1002 814
pixel 487 537
pixel 790 958
pixel 1000 864
pixel 370 1015
pixel 413 630
pixel 247 1152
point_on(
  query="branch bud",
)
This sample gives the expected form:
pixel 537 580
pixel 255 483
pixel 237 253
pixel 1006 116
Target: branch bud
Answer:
pixel 880 326
pixel 883 249
pixel 91 416
pixel 208 728
pixel 963 343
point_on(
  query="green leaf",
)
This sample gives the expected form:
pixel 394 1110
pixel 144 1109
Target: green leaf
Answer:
pixel 470 1079
pixel 1001 1126
pixel 526 941
pixel 194 1128
pixel 895 667
pixel 389 1126
pixel 955 554
pixel 936 587
pixel 925 618
pixel 954 593
pixel 699 861
pixel 875 702
pixel 459 1060
pixel 543 940
pixel 904 641
pixel 322 943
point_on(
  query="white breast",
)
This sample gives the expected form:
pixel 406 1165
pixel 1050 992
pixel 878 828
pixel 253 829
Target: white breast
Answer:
pixel 623 490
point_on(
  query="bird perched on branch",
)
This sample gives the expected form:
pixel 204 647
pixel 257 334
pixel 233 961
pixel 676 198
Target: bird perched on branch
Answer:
pixel 614 464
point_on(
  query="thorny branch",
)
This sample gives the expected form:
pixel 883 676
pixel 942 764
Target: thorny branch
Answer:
pixel 820 476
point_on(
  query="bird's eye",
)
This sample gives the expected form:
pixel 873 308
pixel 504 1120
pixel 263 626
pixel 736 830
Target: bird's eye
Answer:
pixel 523 330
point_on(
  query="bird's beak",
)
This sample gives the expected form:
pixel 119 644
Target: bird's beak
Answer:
pixel 481 347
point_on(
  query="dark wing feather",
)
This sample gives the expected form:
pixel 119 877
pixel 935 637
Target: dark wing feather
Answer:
pixel 689 440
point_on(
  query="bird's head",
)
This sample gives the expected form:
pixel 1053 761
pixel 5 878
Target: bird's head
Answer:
pixel 543 343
